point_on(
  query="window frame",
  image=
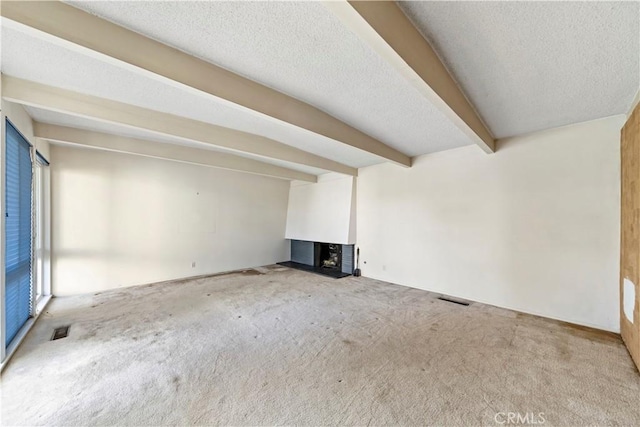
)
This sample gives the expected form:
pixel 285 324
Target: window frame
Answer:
pixel 37 307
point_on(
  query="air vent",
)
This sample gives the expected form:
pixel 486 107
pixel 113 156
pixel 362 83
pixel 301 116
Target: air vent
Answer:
pixel 453 301
pixel 60 332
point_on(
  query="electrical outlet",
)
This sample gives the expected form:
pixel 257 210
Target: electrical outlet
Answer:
pixel 193 264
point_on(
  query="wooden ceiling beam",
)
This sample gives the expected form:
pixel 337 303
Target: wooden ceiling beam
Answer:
pixel 172 152
pixel 99 35
pixel 389 32
pixel 55 99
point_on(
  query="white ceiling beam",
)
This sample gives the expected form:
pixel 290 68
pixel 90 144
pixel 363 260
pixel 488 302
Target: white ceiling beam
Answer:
pixel 55 99
pixel 387 30
pixel 139 147
pixel 81 28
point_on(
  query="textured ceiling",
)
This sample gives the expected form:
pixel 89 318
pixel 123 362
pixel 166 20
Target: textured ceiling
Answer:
pixel 299 48
pixel 69 69
pixel 525 67
pixel 46 116
pixel 528 66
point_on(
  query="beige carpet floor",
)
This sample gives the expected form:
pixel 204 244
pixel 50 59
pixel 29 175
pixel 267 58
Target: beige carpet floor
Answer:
pixel 278 346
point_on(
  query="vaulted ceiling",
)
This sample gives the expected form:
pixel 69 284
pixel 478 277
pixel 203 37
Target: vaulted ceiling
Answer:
pixel 509 68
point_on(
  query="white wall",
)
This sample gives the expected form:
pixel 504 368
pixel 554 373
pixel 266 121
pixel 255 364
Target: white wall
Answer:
pixel 534 227
pixel 121 220
pixel 324 211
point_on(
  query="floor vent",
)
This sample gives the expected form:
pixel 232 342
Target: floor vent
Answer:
pixel 453 301
pixel 60 332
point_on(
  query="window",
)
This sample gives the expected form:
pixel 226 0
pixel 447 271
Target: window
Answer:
pixel 26 234
pixel 18 233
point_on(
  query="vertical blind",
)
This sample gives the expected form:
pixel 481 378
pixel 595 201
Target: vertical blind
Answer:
pixel 17 232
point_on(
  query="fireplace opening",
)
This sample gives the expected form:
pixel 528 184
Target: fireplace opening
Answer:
pixel 328 255
pixel 329 259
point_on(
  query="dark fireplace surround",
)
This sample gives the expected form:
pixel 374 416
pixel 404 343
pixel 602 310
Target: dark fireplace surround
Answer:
pixel 330 259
